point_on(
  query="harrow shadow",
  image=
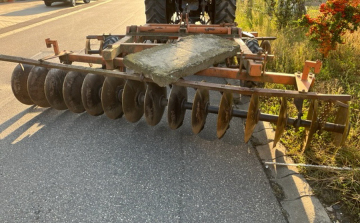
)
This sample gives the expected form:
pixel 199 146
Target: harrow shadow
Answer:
pixel 14 119
pixel 20 130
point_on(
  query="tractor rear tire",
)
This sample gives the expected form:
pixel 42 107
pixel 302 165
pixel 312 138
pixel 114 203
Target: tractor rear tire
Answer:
pixel 109 40
pixel 47 3
pixel 158 11
pixel 223 11
pixel 253 45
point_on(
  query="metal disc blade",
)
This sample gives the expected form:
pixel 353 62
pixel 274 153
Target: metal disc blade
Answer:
pixel 281 122
pixel 199 110
pixel 90 94
pixel 224 114
pixel 35 85
pixel 176 110
pixel 53 88
pixel 252 117
pixel 132 100
pixel 342 118
pixel 313 116
pixel 19 79
pixel 153 106
pixel 111 97
pixel 72 91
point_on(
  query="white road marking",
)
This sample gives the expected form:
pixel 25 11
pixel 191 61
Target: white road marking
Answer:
pixel 49 20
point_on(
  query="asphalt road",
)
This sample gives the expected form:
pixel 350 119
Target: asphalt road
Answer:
pixel 56 166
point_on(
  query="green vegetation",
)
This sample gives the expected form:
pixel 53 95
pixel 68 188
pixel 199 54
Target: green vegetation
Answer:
pixel 340 74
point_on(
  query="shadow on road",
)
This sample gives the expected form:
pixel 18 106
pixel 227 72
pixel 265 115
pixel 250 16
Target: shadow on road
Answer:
pixel 57 165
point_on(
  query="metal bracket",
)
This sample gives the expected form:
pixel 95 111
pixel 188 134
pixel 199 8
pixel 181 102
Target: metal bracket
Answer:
pixel 53 43
pixel 306 79
pixel 62 55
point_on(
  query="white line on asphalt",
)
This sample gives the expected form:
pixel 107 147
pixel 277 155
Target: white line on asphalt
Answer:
pixel 49 20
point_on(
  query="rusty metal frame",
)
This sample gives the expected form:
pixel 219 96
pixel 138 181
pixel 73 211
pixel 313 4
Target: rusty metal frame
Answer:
pixel 253 64
pixel 112 58
pixel 249 67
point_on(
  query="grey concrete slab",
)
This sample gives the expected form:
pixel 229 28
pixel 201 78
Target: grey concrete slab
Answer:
pixel 166 63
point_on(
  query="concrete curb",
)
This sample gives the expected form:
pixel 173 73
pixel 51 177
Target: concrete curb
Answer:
pixel 290 187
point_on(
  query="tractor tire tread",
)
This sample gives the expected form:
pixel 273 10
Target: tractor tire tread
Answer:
pixel 155 11
pixel 224 11
pixel 253 45
pixel 110 40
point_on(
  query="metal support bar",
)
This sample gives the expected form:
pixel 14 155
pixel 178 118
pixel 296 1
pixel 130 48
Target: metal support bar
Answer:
pixel 54 43
pixel 305 80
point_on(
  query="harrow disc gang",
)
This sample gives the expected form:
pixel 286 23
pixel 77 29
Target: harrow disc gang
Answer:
pixel 90 94
pixel 35 85
pixel 111 97
pixel 54 82
pixel 133 100
pixel 94 93
pixel 154 105
pixel 72 91
pixel 19 80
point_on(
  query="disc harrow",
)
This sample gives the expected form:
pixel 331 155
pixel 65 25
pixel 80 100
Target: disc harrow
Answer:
pixel 118 92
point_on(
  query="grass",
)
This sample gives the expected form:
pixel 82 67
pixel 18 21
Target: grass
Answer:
pixel 340 74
